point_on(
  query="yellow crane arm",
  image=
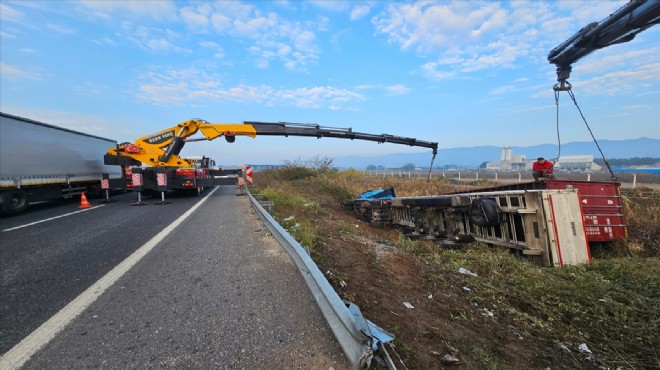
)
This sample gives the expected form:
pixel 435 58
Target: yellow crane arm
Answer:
pixel 162 148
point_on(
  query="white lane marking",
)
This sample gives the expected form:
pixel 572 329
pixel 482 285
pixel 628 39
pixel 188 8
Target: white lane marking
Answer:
pixel 52 218
pixel 23 351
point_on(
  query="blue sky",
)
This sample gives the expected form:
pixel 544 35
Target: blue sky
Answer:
pixel 462 73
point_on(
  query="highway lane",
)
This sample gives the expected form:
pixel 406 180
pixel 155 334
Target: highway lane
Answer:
pixel 47 264
pixel 217 292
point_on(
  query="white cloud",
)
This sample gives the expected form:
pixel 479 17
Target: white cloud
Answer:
pixel 360 11
pixel 613 58
pixel 170 86
pixel 398 89
pixel 8 13
pixel 463 37
pixel 622 82
pixel 271 37
pixel 7 70
pixel 156 9
pixel 6 35
pixel 60 29
pixel 429 26
pixel 197 18
pixel 155 39
pixel 106 40
pixel 333 5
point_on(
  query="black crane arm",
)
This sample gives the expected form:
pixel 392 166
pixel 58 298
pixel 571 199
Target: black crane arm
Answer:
pixel 621 26
pixel 314 130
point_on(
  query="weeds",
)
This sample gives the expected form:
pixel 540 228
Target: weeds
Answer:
pixel 484 358
pixel 614 305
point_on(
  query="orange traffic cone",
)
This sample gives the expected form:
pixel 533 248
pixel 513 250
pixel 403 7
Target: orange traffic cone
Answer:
pixel 83 201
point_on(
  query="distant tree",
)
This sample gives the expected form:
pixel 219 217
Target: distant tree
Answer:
pixel 627 162
pixel 408 167
pixel 371 167
pixel 483 165
pixel 381 167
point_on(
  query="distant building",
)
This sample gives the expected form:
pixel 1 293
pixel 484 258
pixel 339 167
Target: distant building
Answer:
pixel 510 162
pixel 577 163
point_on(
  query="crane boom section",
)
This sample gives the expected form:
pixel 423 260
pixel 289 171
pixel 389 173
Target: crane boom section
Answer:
pixel 621 26
pixel 313 130
pixel 163 148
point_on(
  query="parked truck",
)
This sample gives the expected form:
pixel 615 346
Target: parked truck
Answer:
pixel 40 162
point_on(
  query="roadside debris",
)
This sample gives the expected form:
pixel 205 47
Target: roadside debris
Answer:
pixel 586 351
pixel 408 305
pixel 465 271
pixel 450 359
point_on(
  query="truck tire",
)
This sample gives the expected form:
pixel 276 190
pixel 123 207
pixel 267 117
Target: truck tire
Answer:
pixel 485 212
pixel 13 202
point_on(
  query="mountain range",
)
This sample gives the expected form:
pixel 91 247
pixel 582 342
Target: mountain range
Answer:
pixel 475 156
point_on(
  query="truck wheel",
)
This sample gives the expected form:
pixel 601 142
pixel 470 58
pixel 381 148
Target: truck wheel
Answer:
pixel 13 202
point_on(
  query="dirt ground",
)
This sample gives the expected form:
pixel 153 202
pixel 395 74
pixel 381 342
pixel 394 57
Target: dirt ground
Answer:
pixel 365 269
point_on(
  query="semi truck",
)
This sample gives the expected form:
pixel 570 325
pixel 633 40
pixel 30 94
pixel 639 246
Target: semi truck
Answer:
pixel 42 162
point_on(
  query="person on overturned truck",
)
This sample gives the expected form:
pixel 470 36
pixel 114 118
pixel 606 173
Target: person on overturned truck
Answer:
pixel 542 169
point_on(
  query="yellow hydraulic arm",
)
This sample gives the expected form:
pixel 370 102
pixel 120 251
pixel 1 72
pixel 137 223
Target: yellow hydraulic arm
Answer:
pixel 163 148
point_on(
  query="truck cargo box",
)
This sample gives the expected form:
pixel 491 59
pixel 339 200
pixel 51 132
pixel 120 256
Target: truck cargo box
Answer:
pixel 39 161
pixel 601 204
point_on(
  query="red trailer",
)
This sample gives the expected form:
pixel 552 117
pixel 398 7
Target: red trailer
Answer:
pixel 602 206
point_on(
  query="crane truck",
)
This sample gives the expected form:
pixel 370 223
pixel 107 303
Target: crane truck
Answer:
pixel 156 166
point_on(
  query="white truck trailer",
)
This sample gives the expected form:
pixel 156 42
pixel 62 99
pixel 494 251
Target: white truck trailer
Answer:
pixel 40 162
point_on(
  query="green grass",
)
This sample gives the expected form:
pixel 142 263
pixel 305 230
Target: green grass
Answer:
pixel 612 305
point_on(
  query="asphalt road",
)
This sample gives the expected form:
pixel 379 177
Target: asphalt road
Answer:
pixel 214 290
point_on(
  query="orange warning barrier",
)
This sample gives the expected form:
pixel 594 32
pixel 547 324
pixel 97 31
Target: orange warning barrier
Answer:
pixel 83 201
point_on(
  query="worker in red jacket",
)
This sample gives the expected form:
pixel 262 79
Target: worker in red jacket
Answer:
pixel 542 168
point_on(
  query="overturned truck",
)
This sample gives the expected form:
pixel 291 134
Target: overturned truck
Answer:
pixel 551 223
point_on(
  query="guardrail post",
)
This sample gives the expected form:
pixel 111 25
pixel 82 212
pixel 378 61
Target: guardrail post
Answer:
pixel 477 178
pixel 634 180
pixel 519 177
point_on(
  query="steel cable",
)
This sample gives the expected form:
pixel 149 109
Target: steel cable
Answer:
pixel 570 93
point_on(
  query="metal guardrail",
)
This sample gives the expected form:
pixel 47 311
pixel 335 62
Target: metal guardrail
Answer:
pixel 357 336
